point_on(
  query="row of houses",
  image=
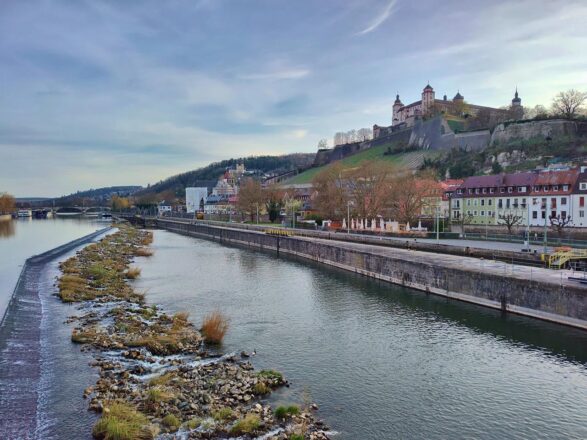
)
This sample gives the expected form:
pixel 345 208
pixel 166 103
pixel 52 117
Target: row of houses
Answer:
pixel 535 198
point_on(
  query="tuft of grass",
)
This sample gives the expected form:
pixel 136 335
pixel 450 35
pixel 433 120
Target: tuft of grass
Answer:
pixel 193 423
pixel 171 421
pixel 284 411
pixel 271 374
pixel 147 239
pixel 261 388
pixel 296 437
pixel 84 336
pixel 223 414
pixel 132 273
pixel 121 421
pixel 158 394
pixel 164 379
pixel 247 425
pixel 143 252
pixel 214 327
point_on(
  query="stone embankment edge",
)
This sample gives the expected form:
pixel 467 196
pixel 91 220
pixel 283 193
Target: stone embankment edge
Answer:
pixel 45 257
pixel 183 228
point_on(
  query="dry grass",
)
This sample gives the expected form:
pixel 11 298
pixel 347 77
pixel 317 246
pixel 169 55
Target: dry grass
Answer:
pixel 147 239
pixel 143 252
pixel 164 379
pixel 132 273
pixel 121 421
pixel 248 425
pixel 214 327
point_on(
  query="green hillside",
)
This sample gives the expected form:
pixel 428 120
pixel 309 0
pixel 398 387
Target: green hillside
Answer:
pixel 411 160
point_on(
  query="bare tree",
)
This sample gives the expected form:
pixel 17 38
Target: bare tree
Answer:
pixel 464 219
pixel 408 195
pixel 250 198
pixel 368 186
pixel 322 144
pixel 351 136
pixel 538 112
pixel 568 104
pixel 331 198
pixel 559 223
pixel 7 203
pixel 510 220
pixel 364 134
pixel 340 138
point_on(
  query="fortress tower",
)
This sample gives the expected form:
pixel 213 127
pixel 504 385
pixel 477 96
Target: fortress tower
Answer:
pixel 396 106
pixel 427 99
pixel 517 109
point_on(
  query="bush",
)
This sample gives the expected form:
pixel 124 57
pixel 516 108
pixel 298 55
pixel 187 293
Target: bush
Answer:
pixel 296 437
pixel 271 374
pixel 284 411
pixel 214 327
pixel 193 423
pixel 261 388
pixel 132 273
pixel 223 414
pixel 171 421
pixel 143 252
pixel 121 421
pixel 250 423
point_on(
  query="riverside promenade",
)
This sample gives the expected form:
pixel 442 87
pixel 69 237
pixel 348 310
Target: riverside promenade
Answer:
pixel 517 288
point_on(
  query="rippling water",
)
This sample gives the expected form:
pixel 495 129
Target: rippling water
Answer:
pixel 381 361
pixel 22 238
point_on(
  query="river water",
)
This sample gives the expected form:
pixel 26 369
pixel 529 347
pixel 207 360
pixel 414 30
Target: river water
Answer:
pixel 23 238
pixel 382 362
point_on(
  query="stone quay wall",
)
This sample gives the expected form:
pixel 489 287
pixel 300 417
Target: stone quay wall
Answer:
pixel 547 300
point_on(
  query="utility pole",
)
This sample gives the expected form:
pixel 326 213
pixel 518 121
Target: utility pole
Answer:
pixel 437 224
pixel 348 214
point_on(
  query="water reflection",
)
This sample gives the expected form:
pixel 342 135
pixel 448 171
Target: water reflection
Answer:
pixel 7 228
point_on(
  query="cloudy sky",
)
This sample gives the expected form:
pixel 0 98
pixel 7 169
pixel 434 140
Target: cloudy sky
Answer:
pixel 99 93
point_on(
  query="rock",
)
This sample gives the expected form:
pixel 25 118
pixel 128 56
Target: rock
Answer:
pixel 314 407
pixel 244 354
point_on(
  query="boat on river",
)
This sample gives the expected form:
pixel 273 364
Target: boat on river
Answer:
pixel 24 213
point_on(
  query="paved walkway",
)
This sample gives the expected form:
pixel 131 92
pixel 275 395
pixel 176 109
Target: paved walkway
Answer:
pixel 555 277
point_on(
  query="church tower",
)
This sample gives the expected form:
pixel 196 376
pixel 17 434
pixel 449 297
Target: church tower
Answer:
pixel 427 99
pixel 396 117
pixel 517 109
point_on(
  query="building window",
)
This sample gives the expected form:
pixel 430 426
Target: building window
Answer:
pixel 482 202
pixel 581 201
pixel 553 203
pixel 524 203
pixel 489 202
pixel 563 200
pixel 516 203
pixel 476 190
pixel 565 187
pixel 535 214
pixel 470 191
pixel 500 203
pixel 583 185
pixel 555 188
pixel 482 213
pixel 491 190
pixel 581 214
pixel 501 190
pixel 484 190
pixel 537 188
pixel 468 202
pixel 522 189
pixel 543 214
pixel 475 213
pixel 507 203
pixel 564 214
pixel 510 189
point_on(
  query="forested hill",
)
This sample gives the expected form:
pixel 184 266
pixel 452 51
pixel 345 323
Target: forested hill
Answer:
pixel 98 196
pixel 210 173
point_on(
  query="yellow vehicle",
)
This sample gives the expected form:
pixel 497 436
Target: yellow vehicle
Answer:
pixel 279 232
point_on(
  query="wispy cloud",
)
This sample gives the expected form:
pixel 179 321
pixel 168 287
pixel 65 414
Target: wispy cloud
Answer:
pixel 380 19
pixel 278 74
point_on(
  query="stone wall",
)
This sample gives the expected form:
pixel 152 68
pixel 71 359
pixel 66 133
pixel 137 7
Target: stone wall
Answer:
pixel 556 128
pixel 558 303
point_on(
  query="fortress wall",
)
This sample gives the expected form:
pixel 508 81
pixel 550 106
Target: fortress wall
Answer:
pixel 508 132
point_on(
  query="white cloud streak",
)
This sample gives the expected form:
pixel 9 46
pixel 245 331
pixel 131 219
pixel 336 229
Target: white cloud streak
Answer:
pixel 380 19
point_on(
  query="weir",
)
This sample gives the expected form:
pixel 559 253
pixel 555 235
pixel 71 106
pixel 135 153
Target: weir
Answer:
pixel 535 292
pixel 20 345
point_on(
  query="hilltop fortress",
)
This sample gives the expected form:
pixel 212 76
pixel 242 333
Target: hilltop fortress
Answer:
pixel 405 116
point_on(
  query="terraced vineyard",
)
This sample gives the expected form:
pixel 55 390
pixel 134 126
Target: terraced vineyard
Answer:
pixel 411 160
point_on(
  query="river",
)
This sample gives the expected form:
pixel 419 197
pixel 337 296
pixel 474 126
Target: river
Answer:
pixel 382 362
pixel 22 238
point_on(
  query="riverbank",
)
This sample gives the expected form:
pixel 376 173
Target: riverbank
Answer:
pixel 158 375
pixel 535 292
pixel 20 345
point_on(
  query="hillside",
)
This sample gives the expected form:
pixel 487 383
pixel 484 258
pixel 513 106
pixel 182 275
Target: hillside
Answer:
pixel 411 160
pixel 98 196
pixel 208 175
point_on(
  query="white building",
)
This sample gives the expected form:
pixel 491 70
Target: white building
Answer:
pixel 579 200
pixel 195 198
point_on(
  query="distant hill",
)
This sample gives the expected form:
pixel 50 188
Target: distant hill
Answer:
pixel 98 196
pixel 208 175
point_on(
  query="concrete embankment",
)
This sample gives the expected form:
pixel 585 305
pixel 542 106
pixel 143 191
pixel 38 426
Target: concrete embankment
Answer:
pixel 20 346
pixel 539 293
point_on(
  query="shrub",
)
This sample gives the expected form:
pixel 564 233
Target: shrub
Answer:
pixel 271 374
pixel 284 411
pixel 247 425
pixel 193 423
pixel 214 327
pixel 296 437
pixel 133 273
pixel 171 422
pixel 121 421
pixel 143 252
pixel 261 388
pixel 223 414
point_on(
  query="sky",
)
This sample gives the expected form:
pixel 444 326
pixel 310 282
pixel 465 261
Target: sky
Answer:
pixel 101 93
